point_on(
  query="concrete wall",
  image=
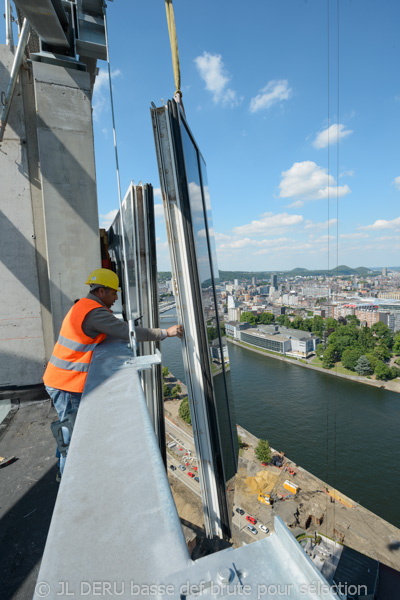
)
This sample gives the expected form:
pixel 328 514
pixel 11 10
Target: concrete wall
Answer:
pixel 49 231
pixel 22 353
pixel 68 182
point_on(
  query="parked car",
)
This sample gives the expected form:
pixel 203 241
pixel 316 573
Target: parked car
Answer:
pixel 190 474
pixel 172 467
pixel 252 529
pixel 263 528
pixel 197 479
pixel 251 520
pixel 182 468
pixel 240 510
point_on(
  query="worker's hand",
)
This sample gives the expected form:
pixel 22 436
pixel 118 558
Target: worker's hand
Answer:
pixel 175 331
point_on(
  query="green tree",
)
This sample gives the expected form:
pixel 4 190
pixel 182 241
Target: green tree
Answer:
pixel 381 351
pixel 176 390
pixel 283 320
pixel 306 325
pixel 184 411
pixel 317 325
pixel 212 333
pixel 248 317
pixel 372 359
pixel 394 372
pixel 331 323
pixel 366 339
pixel 266 318
pixel 320 350
pixel 297 323
pixel 166 391
pixel 263 451
pixel 330 357
pixel 352 320
pixel 165 371
pixel 396 345
pixel 382 371
pixel 383 333
pixel 241 444
pixel 363 366
pixel 350 358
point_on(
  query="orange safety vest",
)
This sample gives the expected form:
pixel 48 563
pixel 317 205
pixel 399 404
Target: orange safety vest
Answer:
pixel 69 363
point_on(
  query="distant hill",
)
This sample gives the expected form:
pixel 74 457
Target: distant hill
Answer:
pixel 299 271
pixel 266 275
pixel 340 270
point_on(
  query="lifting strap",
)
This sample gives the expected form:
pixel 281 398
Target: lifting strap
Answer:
pixel 174 48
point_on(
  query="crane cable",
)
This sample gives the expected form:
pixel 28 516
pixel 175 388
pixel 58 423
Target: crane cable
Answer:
pixel 132 339
pixel 174 49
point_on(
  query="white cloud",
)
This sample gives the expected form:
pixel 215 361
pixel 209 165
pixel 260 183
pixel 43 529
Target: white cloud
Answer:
pixel 269 224
pixel 324 238
pixel 383 224
pixel 308 180
pixel 286 249
pixel 347 173
pixel 320 226
pixel 353 236
pixel 212 71
pixel 221 236
pixel 296 204
pixel 100 91
pixel 331 135
pixel 106 220
pixel 385 238
pixel 396 182
pixel 157 192
pixel 273 92
pixel 158 211
pixel 248 242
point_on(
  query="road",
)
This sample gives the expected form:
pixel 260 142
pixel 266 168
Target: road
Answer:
pixel 177 457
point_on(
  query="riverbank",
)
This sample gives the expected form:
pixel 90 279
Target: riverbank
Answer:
pixel 387 385
pixel 317 508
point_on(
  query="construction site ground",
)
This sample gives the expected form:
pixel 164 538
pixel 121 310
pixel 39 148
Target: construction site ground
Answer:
pixel 316 507
pixel 341 519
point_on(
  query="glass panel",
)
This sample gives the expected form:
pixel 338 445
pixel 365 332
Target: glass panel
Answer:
pixel 200 208
pixel 131 300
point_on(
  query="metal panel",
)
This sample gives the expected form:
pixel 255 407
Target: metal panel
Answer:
pixel 148 305
pixel 44 19
pixel 141 300
pixel 189 271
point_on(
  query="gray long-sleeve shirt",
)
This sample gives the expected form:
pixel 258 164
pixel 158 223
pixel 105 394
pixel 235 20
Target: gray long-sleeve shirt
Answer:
pixel 101 320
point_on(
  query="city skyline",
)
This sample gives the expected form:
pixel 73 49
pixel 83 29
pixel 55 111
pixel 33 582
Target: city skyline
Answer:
pixel 276 143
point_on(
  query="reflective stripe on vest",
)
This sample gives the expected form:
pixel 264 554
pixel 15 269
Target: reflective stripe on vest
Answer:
pixel 75 345
pixel 69 364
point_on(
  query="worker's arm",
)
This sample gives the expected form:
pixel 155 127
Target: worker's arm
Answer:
pixel 101 320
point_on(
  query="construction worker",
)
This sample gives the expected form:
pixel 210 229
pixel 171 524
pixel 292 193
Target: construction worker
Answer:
pixel 87 324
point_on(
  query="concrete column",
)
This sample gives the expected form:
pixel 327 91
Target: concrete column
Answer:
pixel 68 182
pixel 22 353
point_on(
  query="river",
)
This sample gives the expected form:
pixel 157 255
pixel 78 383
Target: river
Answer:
pixel 346 433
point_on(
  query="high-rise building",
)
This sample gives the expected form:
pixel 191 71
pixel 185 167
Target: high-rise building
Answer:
pixel 274 280
pixel 254 281
pixel 384 272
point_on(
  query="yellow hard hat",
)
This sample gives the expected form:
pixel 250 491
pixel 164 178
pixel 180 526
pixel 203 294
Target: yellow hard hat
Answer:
pixel 104 277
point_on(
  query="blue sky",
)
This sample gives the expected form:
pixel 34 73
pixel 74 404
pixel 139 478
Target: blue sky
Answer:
pixel 255 90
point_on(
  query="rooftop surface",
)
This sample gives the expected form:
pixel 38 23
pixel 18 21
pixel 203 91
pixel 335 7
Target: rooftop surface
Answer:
pixel 28 491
